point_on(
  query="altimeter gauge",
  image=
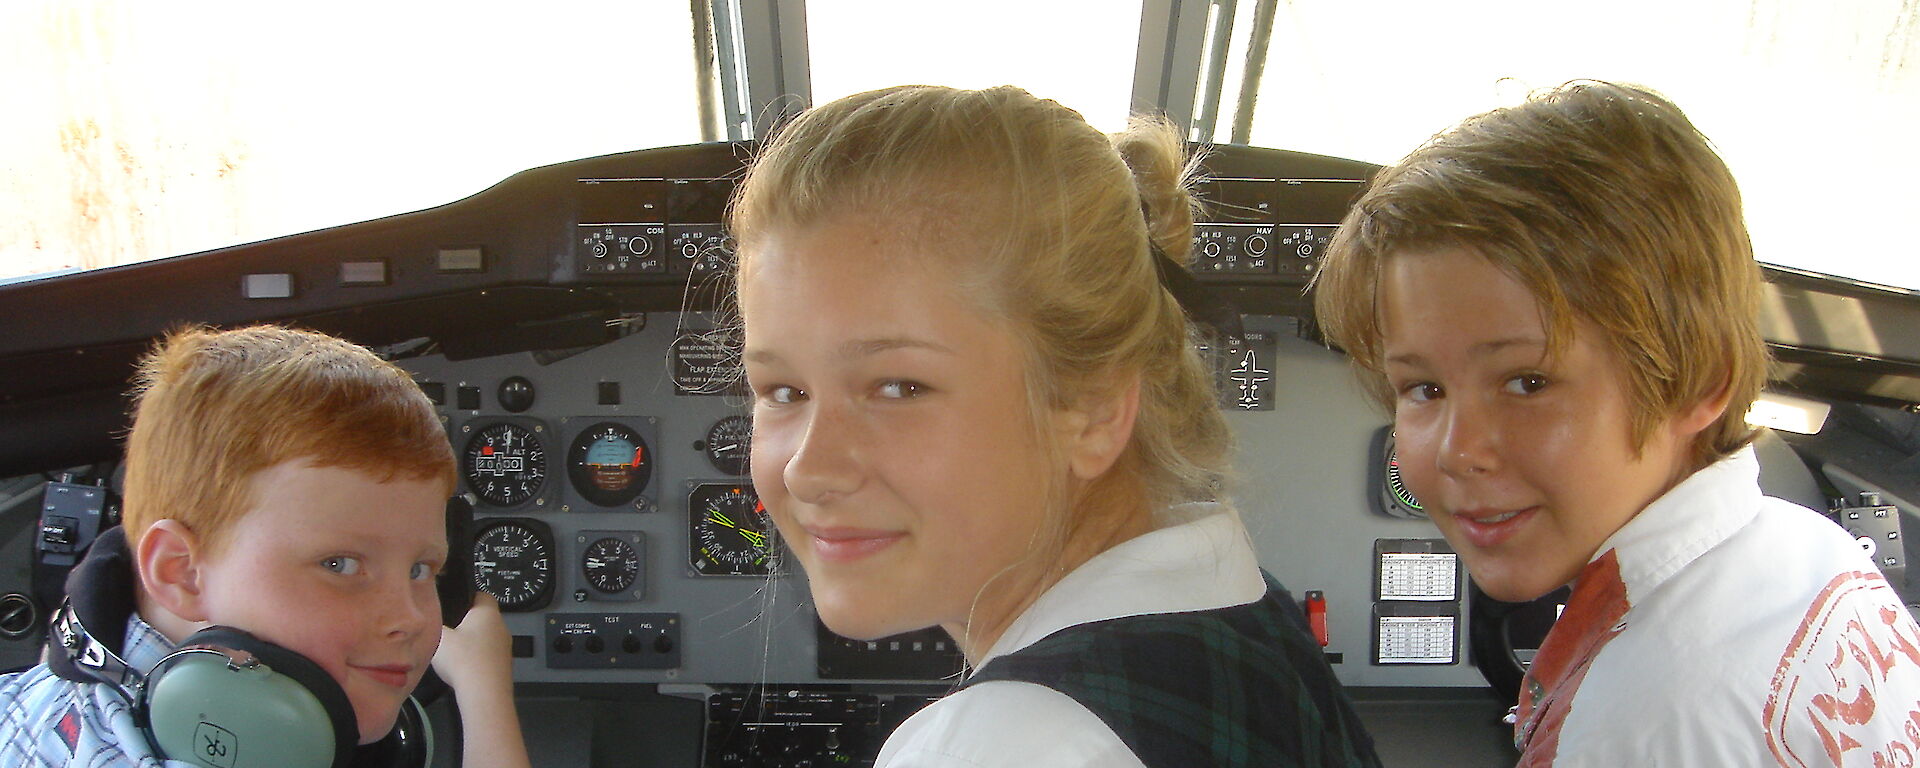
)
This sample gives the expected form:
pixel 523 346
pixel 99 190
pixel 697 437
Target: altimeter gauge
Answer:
pixel 505 462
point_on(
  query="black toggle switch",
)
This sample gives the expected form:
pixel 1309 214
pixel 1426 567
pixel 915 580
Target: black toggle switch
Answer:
pixel 57 534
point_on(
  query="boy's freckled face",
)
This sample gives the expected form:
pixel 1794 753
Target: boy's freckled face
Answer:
pixel 1526 462
pixel 339 568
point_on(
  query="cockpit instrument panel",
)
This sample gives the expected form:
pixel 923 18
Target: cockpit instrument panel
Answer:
pixel 650 562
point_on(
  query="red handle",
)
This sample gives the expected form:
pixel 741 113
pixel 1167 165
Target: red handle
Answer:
pixel 1317 616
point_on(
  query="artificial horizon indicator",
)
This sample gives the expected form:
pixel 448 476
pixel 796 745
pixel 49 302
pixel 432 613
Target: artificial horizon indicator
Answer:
pixel 609 464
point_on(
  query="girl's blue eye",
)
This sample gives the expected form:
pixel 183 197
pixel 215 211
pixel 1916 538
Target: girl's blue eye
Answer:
pixel 784 395
pixel 1526 384
pixel 421 572
pixel 341 564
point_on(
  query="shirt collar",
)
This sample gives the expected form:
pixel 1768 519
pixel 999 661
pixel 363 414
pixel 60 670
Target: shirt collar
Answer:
pixel 1705 509
pixel 1199 557
pixel 144 646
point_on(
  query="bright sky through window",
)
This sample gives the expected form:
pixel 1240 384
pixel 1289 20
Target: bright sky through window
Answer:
pixel 139 130
pixel 1813 105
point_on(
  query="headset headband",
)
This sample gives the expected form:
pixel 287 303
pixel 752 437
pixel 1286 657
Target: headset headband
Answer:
pixel 91 656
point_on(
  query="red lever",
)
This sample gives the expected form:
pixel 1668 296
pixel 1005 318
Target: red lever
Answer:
pixel 1317 615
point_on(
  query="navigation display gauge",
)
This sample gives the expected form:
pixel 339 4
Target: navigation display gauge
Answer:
pixel 728 531
pixel 609 463
pixel 513 561
pixel 729 442
pixel 505 462
pixel 611 563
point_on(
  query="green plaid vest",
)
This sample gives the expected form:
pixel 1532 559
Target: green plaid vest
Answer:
pixel 1239 686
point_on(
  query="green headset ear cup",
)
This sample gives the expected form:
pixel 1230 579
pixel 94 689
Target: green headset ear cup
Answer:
pixel 285 712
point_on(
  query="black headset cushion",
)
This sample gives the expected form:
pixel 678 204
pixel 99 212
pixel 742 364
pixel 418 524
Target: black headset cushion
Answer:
pixel 101 591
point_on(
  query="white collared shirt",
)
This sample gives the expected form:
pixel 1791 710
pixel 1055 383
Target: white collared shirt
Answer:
pixel 1199 557
pixel 1753 632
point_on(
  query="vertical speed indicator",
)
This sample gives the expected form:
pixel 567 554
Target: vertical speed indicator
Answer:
pixel 513 561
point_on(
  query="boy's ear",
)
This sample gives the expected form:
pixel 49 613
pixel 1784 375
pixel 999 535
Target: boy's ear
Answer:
pixel 1097 431
pixel 1694 419
pixel 169 559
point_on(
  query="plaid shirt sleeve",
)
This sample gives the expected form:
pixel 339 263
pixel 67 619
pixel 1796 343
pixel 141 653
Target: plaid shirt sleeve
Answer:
pixel 46 721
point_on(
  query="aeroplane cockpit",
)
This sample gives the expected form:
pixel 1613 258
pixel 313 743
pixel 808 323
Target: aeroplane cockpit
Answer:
pixel 571 325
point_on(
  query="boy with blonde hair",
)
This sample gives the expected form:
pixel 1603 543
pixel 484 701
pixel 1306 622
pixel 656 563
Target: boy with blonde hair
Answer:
pixel 291 486
pixel 1558 302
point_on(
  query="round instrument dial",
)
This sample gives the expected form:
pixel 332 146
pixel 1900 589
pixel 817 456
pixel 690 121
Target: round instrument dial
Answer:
pixel 513 561
pixel 505 463
pixel 729 443
pixel 1400 500
pixel 611 564
pixel 728 531
pixel 1391 496
pixel 609 464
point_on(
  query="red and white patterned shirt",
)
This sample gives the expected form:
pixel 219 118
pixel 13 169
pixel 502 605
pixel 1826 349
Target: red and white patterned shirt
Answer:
pixel 1723 627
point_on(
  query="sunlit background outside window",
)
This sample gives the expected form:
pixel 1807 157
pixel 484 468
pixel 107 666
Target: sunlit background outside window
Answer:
pixel 1080 54
pixel 136 130
pixel 141 130
pixel 1814 106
